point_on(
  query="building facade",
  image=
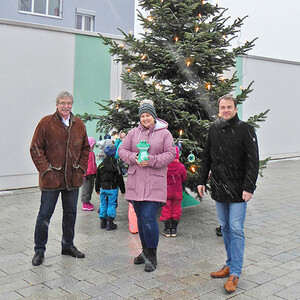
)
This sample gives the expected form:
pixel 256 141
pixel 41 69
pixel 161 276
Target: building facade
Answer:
pixel 103 16
pixel 44 53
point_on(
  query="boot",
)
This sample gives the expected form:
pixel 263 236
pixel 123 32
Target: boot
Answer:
pixel 103 222
pixel 110 224
pixel 151 260
pixel 167 230
pixel 174 225
pixel 141 258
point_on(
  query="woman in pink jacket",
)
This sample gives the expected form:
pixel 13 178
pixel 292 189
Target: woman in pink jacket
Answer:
pixel 146 184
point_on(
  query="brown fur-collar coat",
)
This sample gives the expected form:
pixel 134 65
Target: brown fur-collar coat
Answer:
pixel 60 153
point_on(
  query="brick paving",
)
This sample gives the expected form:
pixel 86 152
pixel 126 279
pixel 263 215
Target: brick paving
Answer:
pixel 272 256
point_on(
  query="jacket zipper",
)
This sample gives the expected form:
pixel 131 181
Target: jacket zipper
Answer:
pixel 66 165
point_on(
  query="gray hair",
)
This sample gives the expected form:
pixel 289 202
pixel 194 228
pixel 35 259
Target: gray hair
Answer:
pixel 63 95
pixel 228 97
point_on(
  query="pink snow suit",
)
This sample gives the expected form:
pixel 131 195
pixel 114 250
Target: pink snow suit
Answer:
pixel 175 177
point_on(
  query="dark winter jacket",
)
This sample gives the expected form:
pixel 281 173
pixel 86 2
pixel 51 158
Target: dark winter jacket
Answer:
pixel 60 153
pixel 109 175
pixel 231 153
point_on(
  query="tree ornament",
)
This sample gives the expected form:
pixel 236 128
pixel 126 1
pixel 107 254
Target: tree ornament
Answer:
pixel 191 158
pixel 143 155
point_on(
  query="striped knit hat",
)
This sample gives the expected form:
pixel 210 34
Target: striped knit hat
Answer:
pixel 146 106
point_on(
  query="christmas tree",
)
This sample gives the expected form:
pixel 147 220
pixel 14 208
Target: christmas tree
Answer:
pixel 179 62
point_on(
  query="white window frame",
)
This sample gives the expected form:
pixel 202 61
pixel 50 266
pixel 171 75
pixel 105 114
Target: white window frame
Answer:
pixel 85 14
pixel 39 14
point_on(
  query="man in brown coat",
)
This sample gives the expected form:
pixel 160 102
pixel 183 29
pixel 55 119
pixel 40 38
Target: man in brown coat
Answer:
pixel 59 150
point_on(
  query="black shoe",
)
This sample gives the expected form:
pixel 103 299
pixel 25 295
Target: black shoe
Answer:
pixel 140 259
pixel 38 258
pixel 72 252
pixel 110 224
pixel 103 223
pixel 219 231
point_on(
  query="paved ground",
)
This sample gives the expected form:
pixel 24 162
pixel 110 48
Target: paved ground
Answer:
pixel 272 258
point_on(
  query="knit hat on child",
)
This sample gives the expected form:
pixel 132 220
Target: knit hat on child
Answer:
pixel 110 150
pixel 92 141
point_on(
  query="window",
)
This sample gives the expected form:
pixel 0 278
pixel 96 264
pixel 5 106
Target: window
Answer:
pixel 85 19
pixel 42 7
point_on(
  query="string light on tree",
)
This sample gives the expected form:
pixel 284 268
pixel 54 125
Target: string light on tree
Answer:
pixel 143 57
pixel 158 86
pixel 241 88
pixel 176 39
pixel 193 168
pixel 180 133
pixel 222 78
pixel 208 86
pixel 197 29
pixel 128 70
pixel 150 19
pixel 188 62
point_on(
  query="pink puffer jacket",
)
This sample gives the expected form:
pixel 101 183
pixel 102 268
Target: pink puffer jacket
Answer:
pixel 148 183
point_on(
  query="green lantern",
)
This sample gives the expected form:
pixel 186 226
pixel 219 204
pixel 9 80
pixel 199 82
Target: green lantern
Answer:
pixel 143 155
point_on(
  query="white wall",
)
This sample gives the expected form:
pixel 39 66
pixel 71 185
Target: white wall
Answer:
pixel 29 85
pixel 274 22
pixel 276 87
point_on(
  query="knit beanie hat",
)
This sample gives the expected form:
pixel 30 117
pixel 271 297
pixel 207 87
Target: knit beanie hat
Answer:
pixel 92 141
pixel 110 150
pixel 146 106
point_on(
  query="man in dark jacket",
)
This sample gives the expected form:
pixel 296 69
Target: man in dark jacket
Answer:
pixel 60 151
pixel 231 154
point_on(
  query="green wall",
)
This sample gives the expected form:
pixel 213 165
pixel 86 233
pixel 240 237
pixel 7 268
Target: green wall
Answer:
pixel 91 77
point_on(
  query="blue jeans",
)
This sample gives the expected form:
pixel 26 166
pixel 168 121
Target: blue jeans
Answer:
pixel 108 203
pixel 146 212
pixel 48 203
pixel 232 217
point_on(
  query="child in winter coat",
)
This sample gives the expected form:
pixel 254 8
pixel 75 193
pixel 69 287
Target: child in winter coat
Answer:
pixel 108 180
pixel 89 178
pixel 171 212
